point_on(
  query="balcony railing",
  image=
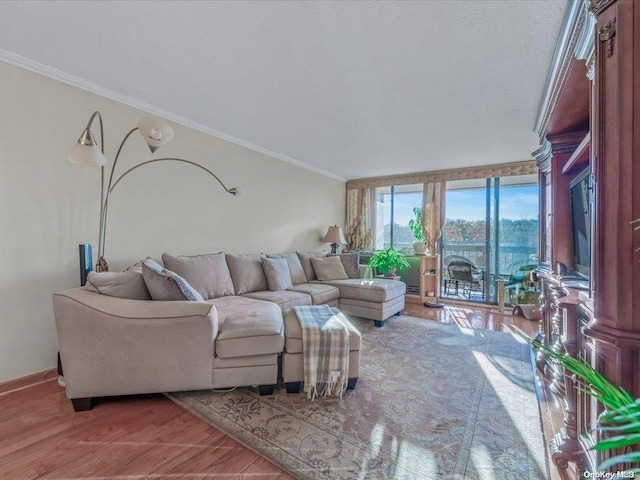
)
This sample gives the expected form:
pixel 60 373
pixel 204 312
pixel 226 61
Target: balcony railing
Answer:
pixel 511 257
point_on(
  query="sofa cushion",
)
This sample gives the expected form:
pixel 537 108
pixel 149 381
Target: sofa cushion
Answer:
pixel 250 334
pixel 351 264
pixel 129 284
pixel 247 273
pixel 227 306
pixel 295 267
pixel 305 261
pixel 165 285
pixel 293 333
pixel 320 293
pixel 277 272
pixel 284 299
pixel 378 290
pixel 329 268
pixel 208 274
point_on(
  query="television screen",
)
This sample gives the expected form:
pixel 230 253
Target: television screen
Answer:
pixel 581 223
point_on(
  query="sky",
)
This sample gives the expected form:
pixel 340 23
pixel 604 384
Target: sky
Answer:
pixel 516 203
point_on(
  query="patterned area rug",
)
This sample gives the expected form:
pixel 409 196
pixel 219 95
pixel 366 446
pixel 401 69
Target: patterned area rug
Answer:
pixel 433 401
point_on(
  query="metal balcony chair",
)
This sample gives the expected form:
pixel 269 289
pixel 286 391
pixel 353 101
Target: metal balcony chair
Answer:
pixel 464 274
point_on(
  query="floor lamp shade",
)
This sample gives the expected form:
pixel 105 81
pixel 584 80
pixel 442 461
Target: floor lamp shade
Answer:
pixel 86 151
pixel 335 237
pixel 155 132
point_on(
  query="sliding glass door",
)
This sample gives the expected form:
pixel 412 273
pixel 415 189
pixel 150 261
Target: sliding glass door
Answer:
pixel 490 234
pixel 516 238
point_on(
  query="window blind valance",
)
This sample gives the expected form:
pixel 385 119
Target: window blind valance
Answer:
pixel 488 171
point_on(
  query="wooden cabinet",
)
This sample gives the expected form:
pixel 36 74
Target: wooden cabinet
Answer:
pixel 616 143
pixel 598 55
pixel 429 281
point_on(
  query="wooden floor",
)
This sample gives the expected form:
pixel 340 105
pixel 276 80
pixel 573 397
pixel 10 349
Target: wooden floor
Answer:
pixel 145 437
pixel 471 316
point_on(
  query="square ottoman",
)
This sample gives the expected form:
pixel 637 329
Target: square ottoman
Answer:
pixel 375 298
pixel 292 358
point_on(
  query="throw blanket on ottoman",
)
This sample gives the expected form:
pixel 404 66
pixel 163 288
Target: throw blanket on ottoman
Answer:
pixel 325 351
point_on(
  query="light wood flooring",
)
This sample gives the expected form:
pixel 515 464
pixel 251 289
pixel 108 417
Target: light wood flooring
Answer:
pixel 145 437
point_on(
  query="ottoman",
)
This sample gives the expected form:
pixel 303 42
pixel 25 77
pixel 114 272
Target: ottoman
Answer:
pixel 375 298
pixel 292 359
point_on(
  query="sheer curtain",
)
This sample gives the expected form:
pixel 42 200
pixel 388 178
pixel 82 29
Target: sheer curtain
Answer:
pixel 359 218
pixel 433 213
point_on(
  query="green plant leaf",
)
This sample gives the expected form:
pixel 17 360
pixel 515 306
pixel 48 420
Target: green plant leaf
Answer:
pixel 615 417
pixel 383 260
pixel 628 428
pixel 597 385
pixel 617 442
pixel 415 224
pixel 625 458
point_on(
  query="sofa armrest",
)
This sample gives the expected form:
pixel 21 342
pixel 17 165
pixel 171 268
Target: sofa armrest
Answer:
pixel 114 346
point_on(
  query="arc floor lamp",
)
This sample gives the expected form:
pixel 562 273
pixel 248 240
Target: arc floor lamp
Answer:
pixel 156 133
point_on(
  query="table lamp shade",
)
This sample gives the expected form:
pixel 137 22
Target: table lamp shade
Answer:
pixel 335 237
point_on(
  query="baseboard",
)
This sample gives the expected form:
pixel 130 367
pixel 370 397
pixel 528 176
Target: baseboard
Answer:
pixel 28 380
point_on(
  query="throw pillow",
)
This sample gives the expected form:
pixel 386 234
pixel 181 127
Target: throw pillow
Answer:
pixel 295 267
pixel 166 285
pixel 277 272
pixel 118 284
pixel 208 274
pixel 329 268
pixel 137 267
pixel 247 273
pixel 305 260
pixel 351 264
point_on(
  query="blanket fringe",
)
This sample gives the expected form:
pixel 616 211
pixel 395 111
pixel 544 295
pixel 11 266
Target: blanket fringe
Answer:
pixel 325 389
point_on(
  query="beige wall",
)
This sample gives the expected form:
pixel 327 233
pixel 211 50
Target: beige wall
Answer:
pixel 48 206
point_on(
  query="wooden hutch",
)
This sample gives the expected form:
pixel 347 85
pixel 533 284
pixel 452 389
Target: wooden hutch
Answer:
pixel 590 119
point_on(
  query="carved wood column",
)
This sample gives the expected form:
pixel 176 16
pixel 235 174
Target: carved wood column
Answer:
pixel 566 446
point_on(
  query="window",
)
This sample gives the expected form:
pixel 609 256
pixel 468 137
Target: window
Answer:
pixel 394 208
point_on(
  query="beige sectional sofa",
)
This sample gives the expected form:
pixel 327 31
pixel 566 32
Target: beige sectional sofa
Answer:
pixel 141 331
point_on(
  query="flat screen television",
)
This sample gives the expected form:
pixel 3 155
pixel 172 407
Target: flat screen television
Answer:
pixel 581 223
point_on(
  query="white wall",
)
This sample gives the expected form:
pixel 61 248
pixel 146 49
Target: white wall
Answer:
pixel 48 206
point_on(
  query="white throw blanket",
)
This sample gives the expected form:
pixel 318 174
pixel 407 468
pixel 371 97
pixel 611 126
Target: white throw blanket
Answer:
pixel 325 351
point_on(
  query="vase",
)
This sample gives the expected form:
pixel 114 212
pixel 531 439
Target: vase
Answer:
pixel 420 248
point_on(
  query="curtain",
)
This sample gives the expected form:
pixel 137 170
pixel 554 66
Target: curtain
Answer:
pixel 433 213
pixel 359 218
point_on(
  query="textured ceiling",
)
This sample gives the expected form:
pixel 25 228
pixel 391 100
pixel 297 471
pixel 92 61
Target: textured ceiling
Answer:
pixel 355 89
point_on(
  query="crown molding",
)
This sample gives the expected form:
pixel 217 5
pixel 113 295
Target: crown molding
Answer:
pixel 543 156
pixel 74 81
pixel 576 40
pixel 596 6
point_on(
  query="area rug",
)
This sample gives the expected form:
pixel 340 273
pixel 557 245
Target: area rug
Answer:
pixel 433 401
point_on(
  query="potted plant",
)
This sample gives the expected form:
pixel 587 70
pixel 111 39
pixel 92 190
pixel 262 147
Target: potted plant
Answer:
pixel 415 224
pixel 619 424
pixel 388 261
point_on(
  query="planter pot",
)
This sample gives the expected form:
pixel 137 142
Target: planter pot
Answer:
pixel 391 273
pixel 420 248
